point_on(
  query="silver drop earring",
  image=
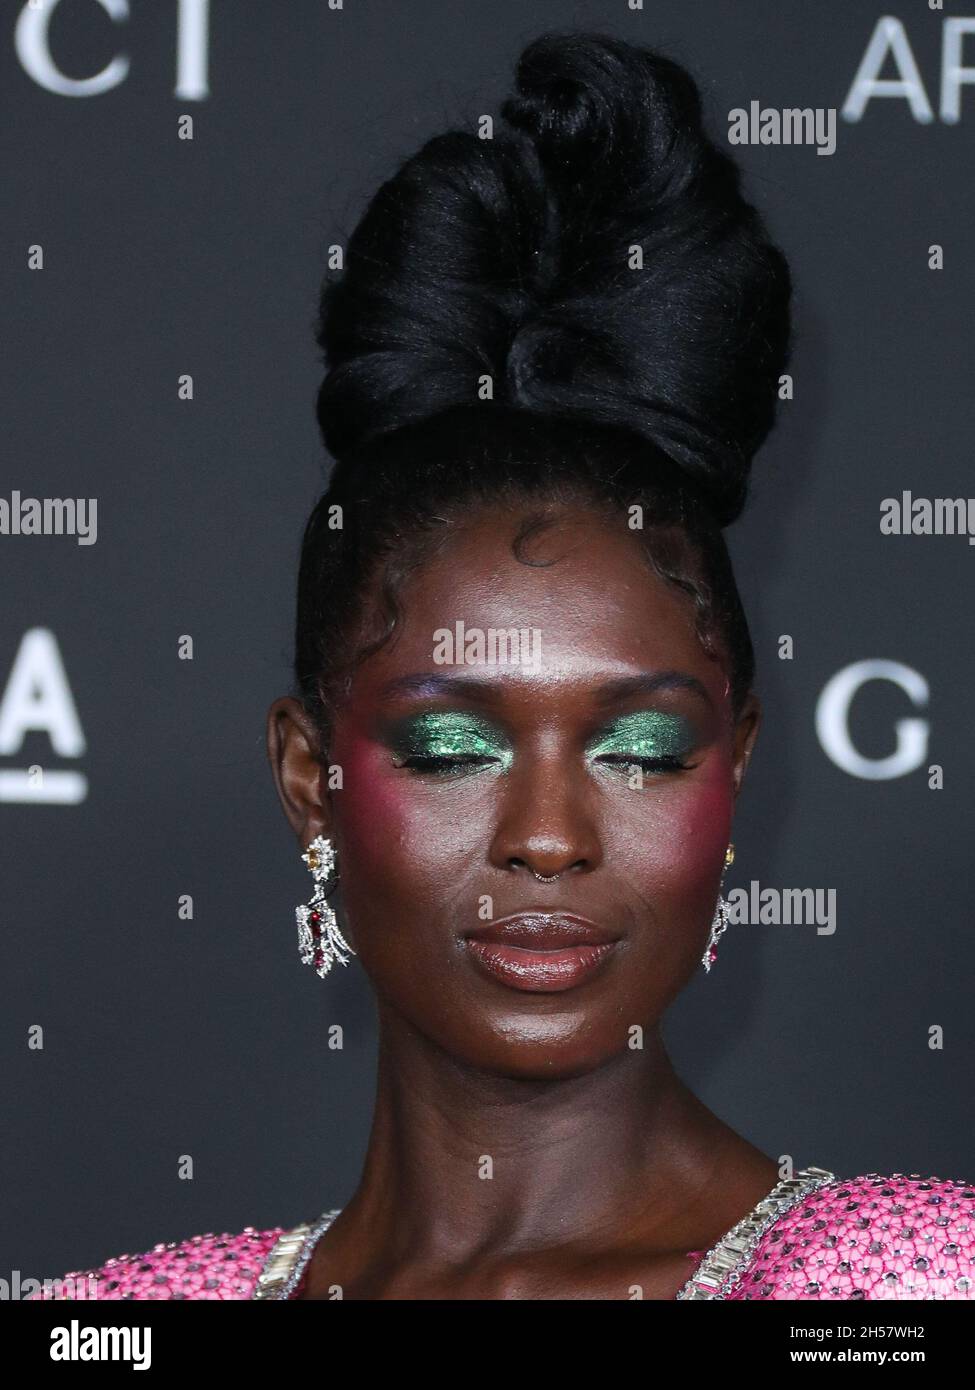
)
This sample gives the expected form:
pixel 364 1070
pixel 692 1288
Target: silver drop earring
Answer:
pixel 320 943
pixel 720 923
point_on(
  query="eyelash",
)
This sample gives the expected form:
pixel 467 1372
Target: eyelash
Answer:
pixel 666 764
pixel 444 762
pixel 455 762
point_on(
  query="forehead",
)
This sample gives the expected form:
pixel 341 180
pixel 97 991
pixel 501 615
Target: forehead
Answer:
pixel 582 584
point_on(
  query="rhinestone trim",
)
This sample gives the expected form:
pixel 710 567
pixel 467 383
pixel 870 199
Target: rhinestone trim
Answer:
pixel 286 1261
pixel 726 1261
pixel 720 1270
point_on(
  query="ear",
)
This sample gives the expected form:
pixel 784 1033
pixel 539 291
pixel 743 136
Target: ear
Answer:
pixel 299 769
pixel 746 732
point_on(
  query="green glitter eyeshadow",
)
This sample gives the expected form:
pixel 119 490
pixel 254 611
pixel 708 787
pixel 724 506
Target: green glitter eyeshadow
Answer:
pixel 646 734
pixel 449 735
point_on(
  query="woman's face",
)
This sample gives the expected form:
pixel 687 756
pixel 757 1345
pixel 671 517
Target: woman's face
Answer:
pixel 462 782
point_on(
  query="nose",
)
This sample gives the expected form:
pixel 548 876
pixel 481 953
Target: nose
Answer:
pixel 546 824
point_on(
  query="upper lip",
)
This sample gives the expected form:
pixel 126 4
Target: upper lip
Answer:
pixel 543 931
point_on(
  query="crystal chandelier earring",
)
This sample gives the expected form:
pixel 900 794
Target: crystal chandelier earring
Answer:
pixel 720 923
pixel 320 943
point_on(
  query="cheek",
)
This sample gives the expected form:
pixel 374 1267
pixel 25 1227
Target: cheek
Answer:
pixel 395 833
pixel 694 834
pixel 372 811
pixel 684 850
pixel 702 824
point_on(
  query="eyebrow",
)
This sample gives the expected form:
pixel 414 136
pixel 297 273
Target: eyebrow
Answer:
pixel 609 692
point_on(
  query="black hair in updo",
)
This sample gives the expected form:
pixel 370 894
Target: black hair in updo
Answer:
pixel 613 385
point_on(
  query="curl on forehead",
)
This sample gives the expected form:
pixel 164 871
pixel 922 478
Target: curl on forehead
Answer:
pixel 390 532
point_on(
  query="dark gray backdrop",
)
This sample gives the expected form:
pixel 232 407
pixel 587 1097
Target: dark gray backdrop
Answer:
pixel 165 1037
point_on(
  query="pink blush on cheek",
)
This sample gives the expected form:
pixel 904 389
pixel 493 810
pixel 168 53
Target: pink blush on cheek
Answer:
pixel 702 829
pixel 373 806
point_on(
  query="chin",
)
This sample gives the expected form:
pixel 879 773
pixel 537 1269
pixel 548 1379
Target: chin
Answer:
pixel 533 1053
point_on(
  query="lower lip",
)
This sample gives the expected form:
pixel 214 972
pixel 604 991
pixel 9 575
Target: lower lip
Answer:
pixel 539 972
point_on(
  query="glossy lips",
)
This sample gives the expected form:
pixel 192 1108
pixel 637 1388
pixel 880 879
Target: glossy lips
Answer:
pixel 541 952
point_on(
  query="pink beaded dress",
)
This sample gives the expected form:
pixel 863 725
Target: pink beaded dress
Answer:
pixel 814 1236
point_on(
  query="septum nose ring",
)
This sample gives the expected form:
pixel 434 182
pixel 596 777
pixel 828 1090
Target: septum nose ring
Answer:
pixel 544 878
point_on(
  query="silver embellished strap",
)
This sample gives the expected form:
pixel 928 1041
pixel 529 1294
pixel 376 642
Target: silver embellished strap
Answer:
pixel 718 1273
pixel 725 1263
pixel 288 1257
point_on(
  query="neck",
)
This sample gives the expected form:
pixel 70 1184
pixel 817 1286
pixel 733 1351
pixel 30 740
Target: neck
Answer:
pixel 462 1162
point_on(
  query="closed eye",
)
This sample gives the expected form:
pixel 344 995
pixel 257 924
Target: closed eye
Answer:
pixel 446 763
pixel 665 764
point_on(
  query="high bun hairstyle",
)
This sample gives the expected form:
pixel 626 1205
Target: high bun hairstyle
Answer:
pixel 576 306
